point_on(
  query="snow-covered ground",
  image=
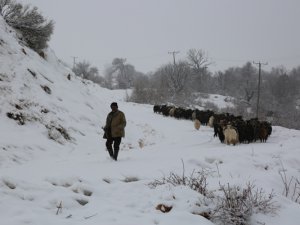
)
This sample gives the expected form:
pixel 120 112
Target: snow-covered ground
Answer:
pixel 38 174
pixel 219 101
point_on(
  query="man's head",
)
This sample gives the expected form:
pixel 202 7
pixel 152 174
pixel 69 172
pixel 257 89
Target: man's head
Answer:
pixel 114 106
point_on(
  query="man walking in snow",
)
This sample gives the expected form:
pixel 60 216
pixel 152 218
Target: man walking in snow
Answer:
pixel 114 130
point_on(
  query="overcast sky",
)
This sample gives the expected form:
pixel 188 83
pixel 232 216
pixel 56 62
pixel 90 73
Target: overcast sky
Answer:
pixel 231 32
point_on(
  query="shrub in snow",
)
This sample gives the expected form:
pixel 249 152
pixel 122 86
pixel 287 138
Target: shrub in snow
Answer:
pixel 58 133
pixel 4 77
pixel 237 205
pixel 196 181
pixel 33 27
pixel 291 186
pixel 18 116
pixel 55 135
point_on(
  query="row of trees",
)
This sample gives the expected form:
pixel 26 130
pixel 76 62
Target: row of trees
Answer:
pixel 118 75
pixel 174 82
pixel 178 83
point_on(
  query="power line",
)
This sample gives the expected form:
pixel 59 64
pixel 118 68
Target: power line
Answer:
pixel 258 87
pixel 217 59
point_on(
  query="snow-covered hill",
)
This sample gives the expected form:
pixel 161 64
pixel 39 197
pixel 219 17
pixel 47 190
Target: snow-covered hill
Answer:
pixel 53 154
pixel 220 101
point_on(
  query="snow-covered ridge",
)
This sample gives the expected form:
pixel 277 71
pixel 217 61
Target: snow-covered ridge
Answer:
pixel 42 94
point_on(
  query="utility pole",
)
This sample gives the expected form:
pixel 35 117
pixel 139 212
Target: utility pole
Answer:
pixel 74 61
pixel 258 87
pixel 174 53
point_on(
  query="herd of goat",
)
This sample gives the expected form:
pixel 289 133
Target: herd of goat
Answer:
pixel 229 128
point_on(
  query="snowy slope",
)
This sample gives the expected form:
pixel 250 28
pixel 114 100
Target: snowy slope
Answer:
pixel 38 173
pixel 220 101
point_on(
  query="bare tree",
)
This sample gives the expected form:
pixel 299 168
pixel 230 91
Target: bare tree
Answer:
pixel 177 76
pixel 82 69
pixel 141 91
pixel 248 81
pixel 198 62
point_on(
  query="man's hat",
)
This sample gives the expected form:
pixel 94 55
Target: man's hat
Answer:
pixel 114 104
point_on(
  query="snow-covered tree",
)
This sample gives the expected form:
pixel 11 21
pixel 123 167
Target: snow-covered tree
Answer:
pixel 34 28
pixel 120 74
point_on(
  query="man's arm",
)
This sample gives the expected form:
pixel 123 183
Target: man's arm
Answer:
pixel 123 120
